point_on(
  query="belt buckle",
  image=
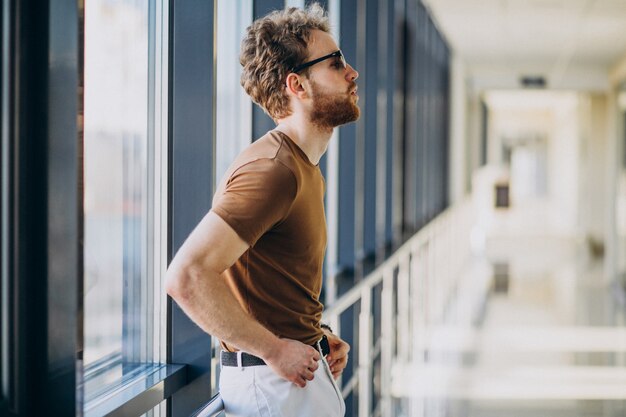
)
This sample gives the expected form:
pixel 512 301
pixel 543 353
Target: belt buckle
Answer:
pixel 324 345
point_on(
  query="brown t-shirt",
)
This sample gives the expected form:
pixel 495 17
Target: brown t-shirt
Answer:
pixel 272 196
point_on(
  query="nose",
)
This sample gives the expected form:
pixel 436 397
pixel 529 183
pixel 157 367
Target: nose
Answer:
pixel 351 74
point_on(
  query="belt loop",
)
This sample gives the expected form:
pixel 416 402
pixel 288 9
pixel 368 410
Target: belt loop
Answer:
pixel 239 362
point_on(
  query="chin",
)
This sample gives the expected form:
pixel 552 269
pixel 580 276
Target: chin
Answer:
pixel 335 113
pixel 356 114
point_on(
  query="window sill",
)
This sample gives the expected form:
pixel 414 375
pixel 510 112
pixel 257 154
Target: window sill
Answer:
pixel 211 409
pixel 139 395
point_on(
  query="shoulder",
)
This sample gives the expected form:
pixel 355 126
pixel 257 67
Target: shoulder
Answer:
pixel 267 146
pixel 264 173
pixel 269 159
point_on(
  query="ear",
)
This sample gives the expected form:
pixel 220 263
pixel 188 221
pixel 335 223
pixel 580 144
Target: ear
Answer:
pixel 296 85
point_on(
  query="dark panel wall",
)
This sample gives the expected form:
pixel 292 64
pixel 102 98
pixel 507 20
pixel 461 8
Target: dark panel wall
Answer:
pixel 191 159
pixel 347 149
pixel 425 138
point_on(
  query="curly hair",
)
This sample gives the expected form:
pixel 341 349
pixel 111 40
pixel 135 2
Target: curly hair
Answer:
pixel 273 45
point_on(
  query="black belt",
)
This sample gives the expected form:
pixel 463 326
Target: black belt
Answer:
pixel 230 358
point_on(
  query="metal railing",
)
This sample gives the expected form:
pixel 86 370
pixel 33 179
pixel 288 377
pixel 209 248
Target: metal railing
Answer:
pixel 416 290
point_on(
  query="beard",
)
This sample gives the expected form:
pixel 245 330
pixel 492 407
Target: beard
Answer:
pixel 333 109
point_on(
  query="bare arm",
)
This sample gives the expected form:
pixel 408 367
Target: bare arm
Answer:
pixel 194 280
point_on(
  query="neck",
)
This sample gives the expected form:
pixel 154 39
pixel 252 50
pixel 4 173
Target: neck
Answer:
pixel 308 137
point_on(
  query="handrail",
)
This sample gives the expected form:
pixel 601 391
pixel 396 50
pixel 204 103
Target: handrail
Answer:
pixel 407 277
pixel 439 250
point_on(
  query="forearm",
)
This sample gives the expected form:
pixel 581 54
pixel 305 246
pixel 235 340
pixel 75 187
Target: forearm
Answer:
pixel 208 301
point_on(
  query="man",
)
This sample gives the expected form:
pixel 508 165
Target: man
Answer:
pixel 251 271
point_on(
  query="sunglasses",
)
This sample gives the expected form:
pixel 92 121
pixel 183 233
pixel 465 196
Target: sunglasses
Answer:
pixel 337 54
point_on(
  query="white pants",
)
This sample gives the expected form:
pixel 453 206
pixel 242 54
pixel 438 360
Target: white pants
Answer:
pixel 256 391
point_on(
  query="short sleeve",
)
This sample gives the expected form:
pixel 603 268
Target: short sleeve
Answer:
pixel 257 196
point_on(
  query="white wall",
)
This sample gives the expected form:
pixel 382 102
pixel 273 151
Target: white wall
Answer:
pixel 563 167
pixel 544 130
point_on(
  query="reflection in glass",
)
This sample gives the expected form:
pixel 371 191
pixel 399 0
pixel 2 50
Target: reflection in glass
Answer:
pixel 232 133
pixel 123 205
pixel 116 79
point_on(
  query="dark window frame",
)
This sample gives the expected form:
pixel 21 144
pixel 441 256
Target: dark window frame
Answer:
pixel 191 175
pixel 40 206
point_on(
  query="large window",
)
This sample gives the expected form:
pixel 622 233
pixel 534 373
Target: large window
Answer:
pixel 124 193
pixel 233 106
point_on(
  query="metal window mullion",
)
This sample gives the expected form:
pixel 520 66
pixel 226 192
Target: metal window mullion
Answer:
pixel 332 211
pixel 129 285
pixel 346 234
pixel 151 334
pixel 369 174
pixel 359 181
pixel 332 188
pixel 381 132
pixel 162 174
pixel 150 224
pixel 398 122
pixel 410 131
pixel 7 350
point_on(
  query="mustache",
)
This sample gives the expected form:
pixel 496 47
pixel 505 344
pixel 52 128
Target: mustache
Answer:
pixel 352 87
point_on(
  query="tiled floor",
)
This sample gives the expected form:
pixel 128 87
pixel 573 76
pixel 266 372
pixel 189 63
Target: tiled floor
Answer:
pixel 551 342
pixel 566 355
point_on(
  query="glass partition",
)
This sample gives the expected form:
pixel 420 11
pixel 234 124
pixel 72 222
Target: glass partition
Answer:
pixel 125 179
pixel 233 108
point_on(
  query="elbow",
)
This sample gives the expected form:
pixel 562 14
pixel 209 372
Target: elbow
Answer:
pixel 182 281
pixel 176 283
pixel 185 280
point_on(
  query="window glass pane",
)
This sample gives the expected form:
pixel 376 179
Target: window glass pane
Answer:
pixel 124 176
pixel 233 133
pixel 294 3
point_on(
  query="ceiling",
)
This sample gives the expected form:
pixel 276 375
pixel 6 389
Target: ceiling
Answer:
pixel 555 38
